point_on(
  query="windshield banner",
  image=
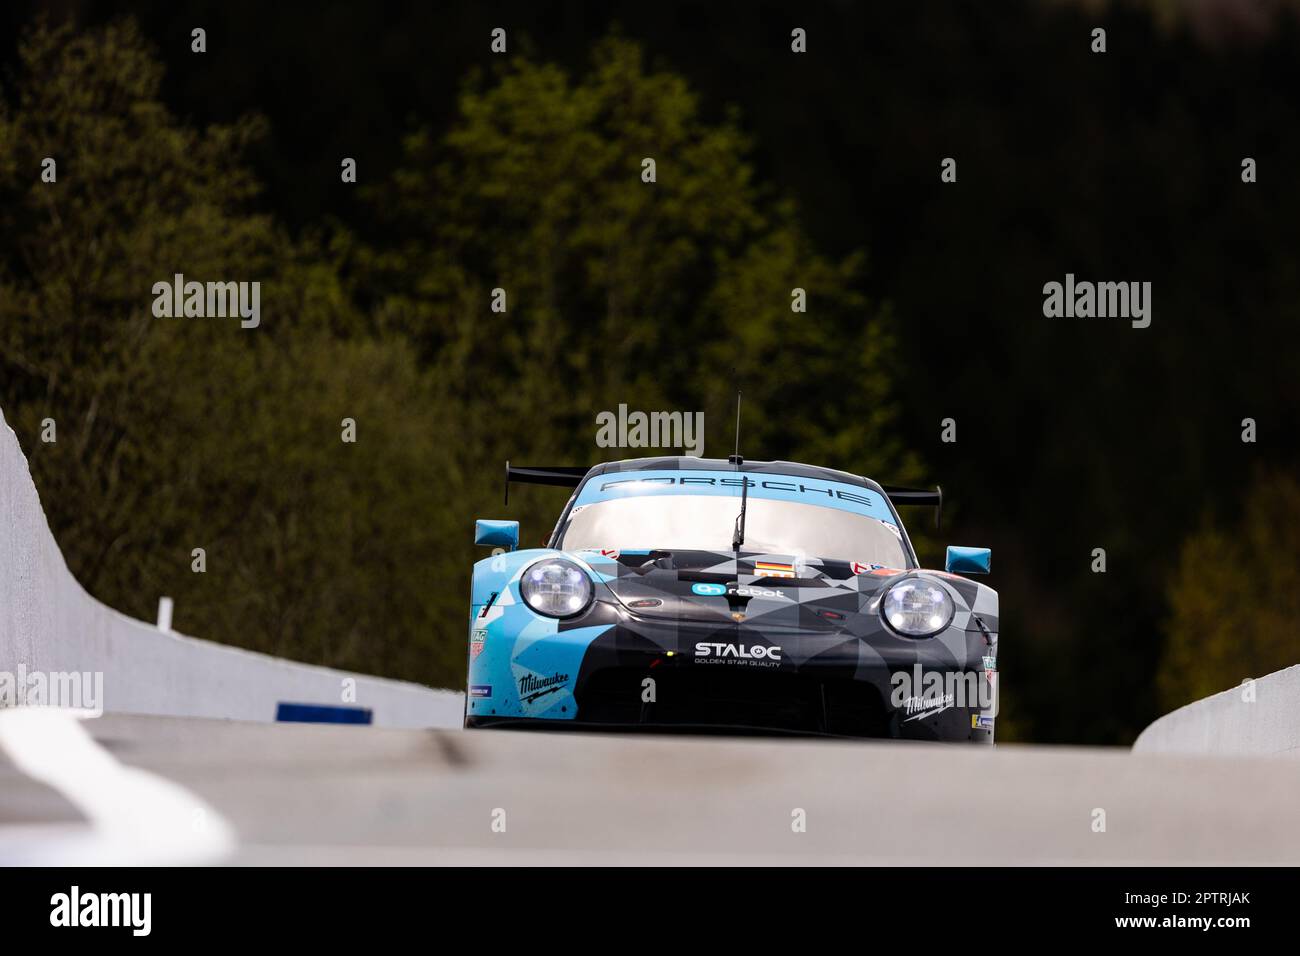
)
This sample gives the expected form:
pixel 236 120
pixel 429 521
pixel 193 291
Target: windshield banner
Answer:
pixel 811 491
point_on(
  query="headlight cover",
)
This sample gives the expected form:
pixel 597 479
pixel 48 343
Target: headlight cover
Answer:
pixel 916 607
pixel 556 587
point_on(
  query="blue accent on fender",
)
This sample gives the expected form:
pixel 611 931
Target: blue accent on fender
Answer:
pixel 709 590
pixel 525 664
pixel 497 534
pixel 808 491
pixel 322 714
pixel 968 560
pixel 530 661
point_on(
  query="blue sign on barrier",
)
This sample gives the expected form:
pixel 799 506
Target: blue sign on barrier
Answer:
pixel 323 714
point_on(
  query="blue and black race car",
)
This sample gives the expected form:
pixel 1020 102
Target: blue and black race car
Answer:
pixel 730 595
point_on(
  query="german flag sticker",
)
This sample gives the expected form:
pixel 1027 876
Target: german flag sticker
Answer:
pixel 773 569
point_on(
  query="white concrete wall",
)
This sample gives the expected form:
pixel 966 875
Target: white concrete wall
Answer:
pixel 48 623
pixel 1231 723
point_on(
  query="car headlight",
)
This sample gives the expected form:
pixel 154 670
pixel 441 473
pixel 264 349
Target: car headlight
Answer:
pixel 556 588
pixel 917 607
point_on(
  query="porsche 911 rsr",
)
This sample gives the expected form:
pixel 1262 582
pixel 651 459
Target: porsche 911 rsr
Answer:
pixel 730 595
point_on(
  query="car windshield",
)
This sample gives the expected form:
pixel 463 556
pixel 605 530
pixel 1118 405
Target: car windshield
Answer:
pixel 702 522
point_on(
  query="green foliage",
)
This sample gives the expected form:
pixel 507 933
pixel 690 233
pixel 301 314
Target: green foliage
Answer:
pixel 175 434
pixel 662 295
pixel 182 433
pixel 1235 598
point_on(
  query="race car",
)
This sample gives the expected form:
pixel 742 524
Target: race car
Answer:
pixel 682 593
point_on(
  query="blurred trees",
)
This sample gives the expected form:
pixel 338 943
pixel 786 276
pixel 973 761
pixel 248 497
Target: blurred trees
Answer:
pixel 662 294
pixel 1235 598
pixel 184 433
pixel 181 433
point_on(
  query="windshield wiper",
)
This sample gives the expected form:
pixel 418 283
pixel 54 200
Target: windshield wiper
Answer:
pixel 738 535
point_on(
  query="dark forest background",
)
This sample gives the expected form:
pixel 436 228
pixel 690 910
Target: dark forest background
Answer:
pixel 775 170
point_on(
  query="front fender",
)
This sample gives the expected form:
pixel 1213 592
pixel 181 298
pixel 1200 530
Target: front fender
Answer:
pixel 521 663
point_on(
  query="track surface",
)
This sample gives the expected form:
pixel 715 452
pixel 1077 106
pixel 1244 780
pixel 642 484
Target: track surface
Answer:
pixel 306 794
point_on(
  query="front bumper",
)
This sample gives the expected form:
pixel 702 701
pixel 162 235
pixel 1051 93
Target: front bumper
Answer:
pixel 638 675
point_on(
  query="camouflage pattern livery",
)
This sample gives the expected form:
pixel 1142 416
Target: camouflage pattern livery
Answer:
pixel 730 640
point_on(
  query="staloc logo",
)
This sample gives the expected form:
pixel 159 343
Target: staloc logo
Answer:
pixel 74 908
pixel 756 652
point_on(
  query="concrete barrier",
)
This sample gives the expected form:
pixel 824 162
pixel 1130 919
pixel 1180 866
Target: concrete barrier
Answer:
pixel 1259 719
pixel 50 625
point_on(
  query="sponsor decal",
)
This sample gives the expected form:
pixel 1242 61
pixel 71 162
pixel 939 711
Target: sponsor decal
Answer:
pixel 755 592
pixel 645 602
pixel 749 591
pixel 791 487
pixel 981 722
pixel 857 567
pixel 815 491
pixel 744 655
pixel 918 708
pixel 963 688
pixel 611 553
pixel 773 569
pixel 476 642
pixel 480 691
pixel 532 687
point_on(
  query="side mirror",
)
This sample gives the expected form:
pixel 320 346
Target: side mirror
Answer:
pixel 497 534
pixel 968 560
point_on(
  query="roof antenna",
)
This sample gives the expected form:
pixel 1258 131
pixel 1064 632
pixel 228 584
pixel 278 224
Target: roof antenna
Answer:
pixel 736 459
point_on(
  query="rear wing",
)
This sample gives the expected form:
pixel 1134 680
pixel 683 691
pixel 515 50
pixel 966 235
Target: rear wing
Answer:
pixel 931 498
pixel 567 476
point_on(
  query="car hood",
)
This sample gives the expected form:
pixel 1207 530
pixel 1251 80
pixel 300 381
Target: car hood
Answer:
pixel 778 591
